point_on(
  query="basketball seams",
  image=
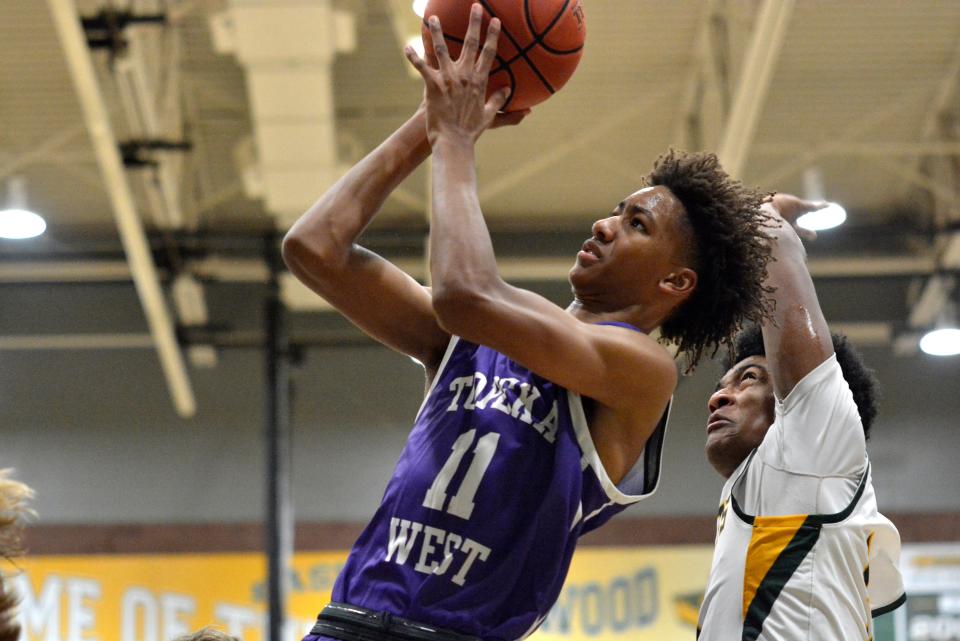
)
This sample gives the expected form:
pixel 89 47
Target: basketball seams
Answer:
pixel 513 87
pixel 538 40
pixel 560 52
pixel 523 54
pixel 553 23
pixel 503 28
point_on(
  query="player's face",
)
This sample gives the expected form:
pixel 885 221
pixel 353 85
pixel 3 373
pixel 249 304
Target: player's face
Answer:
pixel 741 412
pixel 634 252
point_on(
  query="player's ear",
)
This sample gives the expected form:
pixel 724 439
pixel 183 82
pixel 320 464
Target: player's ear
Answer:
pixel 679 283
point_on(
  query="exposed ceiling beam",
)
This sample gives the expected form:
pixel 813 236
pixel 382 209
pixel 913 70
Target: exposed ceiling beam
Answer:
pixel 152 107
pixel 91 271
pixel 538 268
pixel 870 266
pixel 688 128
pixel 938 289
pixel 941 100
pixel 75 342
pixel 57 158
pixel 950 253
pixel 538 162
pixel 132 236
pixel 935 294
pixel 913 176
pixel 761 57
pixel 854 129
pixel 42 150
pixel 864 334
pixel 856 148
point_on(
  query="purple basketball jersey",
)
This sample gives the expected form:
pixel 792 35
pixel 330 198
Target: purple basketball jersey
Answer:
pixel 498 479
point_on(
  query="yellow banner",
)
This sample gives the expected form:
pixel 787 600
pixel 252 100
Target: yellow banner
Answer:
pixel 610 594
pixel 630 593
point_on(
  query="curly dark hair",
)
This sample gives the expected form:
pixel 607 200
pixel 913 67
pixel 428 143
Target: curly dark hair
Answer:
pixel 729 253
pixel 861 379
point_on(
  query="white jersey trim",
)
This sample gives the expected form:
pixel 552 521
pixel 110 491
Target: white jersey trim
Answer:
pixel 893 605
pixel 436 377
pixel 591 458
pixel 823 519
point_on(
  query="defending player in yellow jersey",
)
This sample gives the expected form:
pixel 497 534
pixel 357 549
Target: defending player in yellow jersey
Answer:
pixel 801 550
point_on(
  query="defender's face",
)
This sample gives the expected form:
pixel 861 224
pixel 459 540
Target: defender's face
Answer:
pixel 741 412
pixel 632 250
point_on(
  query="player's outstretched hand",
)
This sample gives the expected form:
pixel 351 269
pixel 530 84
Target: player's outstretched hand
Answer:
pixel 790 208
pixel 456 90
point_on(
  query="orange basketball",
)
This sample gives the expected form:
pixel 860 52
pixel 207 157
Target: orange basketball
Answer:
pixel 539 48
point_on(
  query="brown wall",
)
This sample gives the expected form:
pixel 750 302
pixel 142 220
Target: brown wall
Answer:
pixel 248 537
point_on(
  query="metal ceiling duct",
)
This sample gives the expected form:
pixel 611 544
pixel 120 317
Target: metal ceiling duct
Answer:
pixel 287 48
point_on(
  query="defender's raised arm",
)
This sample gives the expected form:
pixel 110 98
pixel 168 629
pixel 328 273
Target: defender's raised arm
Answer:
pixel 796 338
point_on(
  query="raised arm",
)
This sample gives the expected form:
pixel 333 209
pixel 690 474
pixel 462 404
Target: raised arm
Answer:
pixel 796 339
pixel 616 366
pixel 320 249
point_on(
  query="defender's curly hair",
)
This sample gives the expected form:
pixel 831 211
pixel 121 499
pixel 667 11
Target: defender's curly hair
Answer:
pixel 861 379
pixel 730 253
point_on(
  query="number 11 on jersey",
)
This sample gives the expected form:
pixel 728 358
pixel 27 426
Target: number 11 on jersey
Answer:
pixel 461 504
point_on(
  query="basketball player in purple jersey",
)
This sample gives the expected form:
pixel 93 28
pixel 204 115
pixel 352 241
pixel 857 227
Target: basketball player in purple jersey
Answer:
pixel 539 423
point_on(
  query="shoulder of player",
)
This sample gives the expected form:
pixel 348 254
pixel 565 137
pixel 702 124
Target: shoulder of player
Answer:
pixel 823 380
pixel 638 362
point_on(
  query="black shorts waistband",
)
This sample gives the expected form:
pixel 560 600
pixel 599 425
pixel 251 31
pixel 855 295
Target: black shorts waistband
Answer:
pixel 354 623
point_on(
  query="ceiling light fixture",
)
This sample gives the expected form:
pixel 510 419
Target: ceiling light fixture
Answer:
pixel 419 7
pixel 944 339
pixel 941 342
pixel 17 222
pixel 833 215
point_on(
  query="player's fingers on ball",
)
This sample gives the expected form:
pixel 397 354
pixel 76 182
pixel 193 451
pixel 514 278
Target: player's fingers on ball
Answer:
pixel 471 42
pixel 489 53
pixel 428 53
pixel 430 56
pixel 439 43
